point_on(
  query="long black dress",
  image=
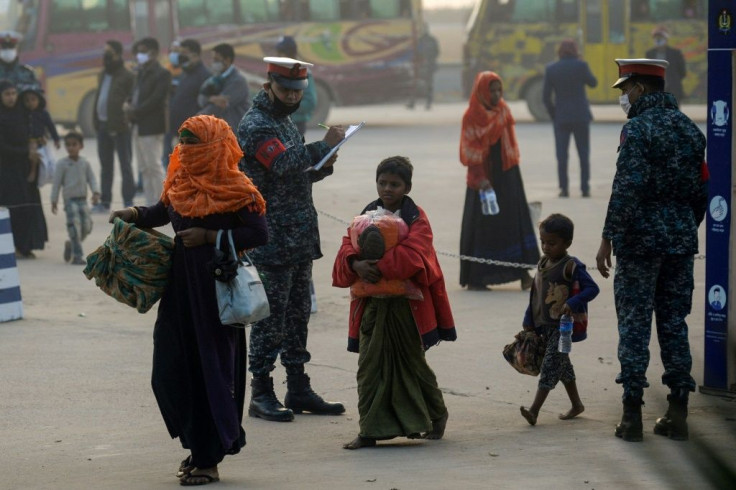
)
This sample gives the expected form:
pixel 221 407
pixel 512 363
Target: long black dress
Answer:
pixel 199 365
pixel 20 196
pixel 507 236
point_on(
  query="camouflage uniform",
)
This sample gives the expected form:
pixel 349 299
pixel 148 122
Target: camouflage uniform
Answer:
pixel 276 159
pixel 22 76
pixel 658 200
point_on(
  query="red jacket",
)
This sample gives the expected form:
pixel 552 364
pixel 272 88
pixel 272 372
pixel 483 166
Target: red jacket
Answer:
pixel 413 258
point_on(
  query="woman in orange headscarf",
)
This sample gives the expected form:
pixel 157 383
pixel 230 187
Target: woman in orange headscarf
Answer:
pixel 199 366
pixel 489 149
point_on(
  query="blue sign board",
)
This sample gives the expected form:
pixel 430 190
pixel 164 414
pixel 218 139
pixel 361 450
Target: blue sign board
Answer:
pixel 721 46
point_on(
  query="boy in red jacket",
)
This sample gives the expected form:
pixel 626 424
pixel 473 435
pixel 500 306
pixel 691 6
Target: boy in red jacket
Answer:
pixel 397 390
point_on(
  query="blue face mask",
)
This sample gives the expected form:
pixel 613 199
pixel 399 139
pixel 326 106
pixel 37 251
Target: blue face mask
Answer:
pixel 660 41
pixel 174 58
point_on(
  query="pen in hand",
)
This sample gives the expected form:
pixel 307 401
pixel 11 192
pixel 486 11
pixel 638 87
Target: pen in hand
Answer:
pixel 323 126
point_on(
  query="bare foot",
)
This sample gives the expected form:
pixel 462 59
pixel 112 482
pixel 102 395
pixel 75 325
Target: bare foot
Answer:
pixel 360 442
pixel 200 476
pixel 438 428
pixel 530 416
pixel 572 413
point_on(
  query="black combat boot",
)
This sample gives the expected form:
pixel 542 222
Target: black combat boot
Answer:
pixel 674 422
pixel 300 397
pixel 263 401
pixel 630 428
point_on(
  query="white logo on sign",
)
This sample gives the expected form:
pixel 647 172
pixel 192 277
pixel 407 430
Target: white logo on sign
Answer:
pixel 719 113
pixel 718 208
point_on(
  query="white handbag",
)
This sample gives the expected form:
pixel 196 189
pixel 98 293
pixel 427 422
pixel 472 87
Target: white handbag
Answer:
pixel 242 300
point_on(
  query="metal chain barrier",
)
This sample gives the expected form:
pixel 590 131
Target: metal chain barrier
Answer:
pixel 469 258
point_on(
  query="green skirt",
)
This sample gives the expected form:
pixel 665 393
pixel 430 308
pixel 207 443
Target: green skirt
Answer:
pixel 397 390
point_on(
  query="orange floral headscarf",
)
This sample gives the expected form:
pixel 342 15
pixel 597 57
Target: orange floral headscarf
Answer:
pixel 204 178
pixel 484 125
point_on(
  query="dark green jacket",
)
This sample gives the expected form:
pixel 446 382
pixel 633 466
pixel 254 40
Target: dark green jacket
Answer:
pixel 659 192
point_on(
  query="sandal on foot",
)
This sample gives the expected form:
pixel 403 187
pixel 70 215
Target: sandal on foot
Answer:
pixel 200 476
pixel 185 467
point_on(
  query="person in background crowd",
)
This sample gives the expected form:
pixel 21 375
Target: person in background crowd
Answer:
pixel 184 102
pixel 175 69
pixel 489 150
pixel 658 200
pixel 279 163
pixel 568 107
pixel 22 76
pixel 72 177
pixel 114 87
pixel 225 94
pixel 287 47
pixel 147 111
pixel 427 52
pixel 676 70
pixel 17 193
pixel 301 117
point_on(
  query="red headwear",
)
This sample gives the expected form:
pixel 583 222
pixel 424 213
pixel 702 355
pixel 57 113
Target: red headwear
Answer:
pixel 484 125
pixel 204 178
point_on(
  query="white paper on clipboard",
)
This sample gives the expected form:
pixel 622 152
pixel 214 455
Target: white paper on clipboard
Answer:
pixel 350 131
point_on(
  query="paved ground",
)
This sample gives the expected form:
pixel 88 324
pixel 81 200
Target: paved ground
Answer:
pixel 76 408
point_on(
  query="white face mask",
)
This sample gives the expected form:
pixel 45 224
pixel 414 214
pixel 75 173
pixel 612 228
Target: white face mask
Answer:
pixel 142 58
pixel 218 67
pixel 624 103
pixel 8 55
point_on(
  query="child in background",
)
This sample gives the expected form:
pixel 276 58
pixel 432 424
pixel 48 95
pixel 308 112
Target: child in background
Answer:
pixel 40 125
pixel 397 390
pixel 74 173
pixel 550 298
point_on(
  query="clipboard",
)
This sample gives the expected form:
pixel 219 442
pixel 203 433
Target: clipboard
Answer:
pixel 349 132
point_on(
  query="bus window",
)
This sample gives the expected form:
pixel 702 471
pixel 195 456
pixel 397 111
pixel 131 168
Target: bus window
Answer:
pixel 77 16
pixel 593 22
pixel 676 9
pixel 324 10
pixel 199 13
pixel 385 9
pixel 616 22
pixel 259 10
pixel 567 11
pixel 533 10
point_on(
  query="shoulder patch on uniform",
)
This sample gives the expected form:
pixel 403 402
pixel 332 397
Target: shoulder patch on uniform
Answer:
pixel 269 150
pixel 622 138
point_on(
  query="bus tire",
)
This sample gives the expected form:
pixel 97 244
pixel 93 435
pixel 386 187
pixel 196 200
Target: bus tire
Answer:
pixel 324 102
pixel 533 96
pixel 85 118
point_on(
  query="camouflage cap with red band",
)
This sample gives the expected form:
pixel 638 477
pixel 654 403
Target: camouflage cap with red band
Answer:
pixel 628 68
pixel 288 72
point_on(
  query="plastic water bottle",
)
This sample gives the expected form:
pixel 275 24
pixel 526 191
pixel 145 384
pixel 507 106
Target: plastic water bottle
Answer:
pixel 488 202
pixel 565 345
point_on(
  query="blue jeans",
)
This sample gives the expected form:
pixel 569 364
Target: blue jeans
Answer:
pixel 78 223
pixel 107 144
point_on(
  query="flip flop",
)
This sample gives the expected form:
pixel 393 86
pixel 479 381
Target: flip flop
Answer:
pixel 199 476
pixel 185 467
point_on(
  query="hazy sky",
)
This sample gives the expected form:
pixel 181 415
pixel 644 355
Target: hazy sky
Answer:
pixel 447 3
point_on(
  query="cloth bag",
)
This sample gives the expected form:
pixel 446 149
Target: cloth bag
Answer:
pixel 241 297
pixel 525 353
pixel 46 167
pixel 133 265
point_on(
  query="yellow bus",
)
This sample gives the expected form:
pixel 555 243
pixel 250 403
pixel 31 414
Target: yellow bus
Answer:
pixel 517 38
pixel 363 50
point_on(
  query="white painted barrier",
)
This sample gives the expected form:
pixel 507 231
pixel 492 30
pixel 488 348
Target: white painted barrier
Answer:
pixel 11 306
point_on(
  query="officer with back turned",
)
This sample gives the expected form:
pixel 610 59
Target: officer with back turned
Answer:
pixel 658 200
